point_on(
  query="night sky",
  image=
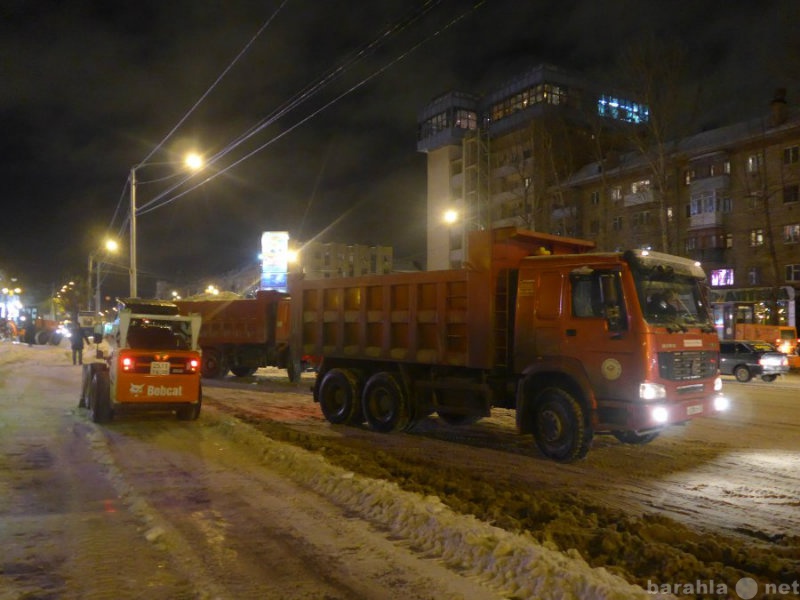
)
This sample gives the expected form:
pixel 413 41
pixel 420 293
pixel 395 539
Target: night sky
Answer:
pixel 90 89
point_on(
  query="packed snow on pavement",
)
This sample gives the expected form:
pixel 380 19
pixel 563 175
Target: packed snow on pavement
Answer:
pixel 516 562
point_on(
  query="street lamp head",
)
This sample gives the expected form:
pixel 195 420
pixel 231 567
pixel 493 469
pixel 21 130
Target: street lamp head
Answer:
pixel 194 161
pixel 450 216
pixel 111 245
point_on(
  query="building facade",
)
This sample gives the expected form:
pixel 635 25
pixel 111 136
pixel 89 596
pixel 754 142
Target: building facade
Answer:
pixel 529 154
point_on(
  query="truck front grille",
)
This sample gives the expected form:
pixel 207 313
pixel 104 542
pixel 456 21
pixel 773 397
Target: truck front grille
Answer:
pixel 685 366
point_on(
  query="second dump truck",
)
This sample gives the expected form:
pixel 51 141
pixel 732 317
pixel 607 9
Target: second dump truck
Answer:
pixel 242 335
pixel 579 343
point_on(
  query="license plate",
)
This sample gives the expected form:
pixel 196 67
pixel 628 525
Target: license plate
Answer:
pixel 695 409
pixel 159 368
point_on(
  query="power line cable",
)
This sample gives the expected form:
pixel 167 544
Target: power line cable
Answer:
pixel 194 107
pixel 159 202
pixel 298 98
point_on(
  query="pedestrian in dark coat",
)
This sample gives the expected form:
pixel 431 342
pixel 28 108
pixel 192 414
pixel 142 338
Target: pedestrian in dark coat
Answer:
pixel 77 340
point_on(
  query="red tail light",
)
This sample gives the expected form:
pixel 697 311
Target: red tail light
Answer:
pixel 128 363
pixel 193 365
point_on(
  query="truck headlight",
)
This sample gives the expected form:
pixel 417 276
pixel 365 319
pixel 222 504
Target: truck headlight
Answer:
pixel 652 391
pixel 659 414
pixel 718 384
pixel 721 403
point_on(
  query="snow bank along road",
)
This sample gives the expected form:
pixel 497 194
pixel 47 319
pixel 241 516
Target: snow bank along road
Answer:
pixel 261 498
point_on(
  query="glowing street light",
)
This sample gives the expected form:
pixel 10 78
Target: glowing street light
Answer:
pixel 193 162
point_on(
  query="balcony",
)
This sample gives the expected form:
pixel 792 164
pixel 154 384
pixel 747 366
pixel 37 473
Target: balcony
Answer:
pixel 643 197
pixel 705 220
pixel 712 256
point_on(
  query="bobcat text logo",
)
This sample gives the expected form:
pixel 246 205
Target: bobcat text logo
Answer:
pixel 155 390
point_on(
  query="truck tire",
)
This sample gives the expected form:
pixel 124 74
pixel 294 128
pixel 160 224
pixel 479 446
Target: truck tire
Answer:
pixel 384 403
pixel 294 370
pixel 213 366
pixel 769 378
pixel 636 439
pixel 243 371
pixel 100 398
pixel 339 397
pixel 41 338
pixel 559 427
pixel 742 373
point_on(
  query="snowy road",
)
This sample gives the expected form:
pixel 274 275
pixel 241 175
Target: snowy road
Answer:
pixel 261 498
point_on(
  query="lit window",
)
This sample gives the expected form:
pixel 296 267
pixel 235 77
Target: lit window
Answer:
pixel 640 186
pixel 721 277
pixel 791 233
pixel 622 110
pixel 756 237
pixel 616 193
pixel 754 163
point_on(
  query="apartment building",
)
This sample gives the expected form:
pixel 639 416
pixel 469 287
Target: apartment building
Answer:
pixel 732 202
pixel 495 160
pixel 530 154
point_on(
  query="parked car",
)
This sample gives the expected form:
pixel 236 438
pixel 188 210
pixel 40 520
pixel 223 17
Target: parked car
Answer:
pixel 747 359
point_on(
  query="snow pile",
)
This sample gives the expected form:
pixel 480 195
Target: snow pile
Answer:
pixel 513 564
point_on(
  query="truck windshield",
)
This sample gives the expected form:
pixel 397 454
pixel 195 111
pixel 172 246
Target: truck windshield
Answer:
pixel 672 290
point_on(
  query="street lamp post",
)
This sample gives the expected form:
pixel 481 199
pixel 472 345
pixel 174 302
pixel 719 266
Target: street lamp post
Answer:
pixel 194 162
pixel 109 246
pixel 132 272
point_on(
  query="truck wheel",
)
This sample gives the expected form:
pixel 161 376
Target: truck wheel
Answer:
pixel 637 439
pixel 100 398
pixel 384 403
pixel 243 371
pixel 338 396
pixel 41 337
pixel 212 365
pixel 559 427
pixel 294 370
pixel 742 373
pixel 769 378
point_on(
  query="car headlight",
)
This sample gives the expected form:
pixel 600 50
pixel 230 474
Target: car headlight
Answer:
pixel 718 384
pixel 652 391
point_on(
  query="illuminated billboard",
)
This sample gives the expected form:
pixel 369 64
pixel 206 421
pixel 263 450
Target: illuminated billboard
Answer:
pixel 274 260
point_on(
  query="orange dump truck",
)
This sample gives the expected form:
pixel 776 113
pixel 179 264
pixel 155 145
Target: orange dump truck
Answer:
pixel 571 339
pixel 154 364
pixel 243 334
